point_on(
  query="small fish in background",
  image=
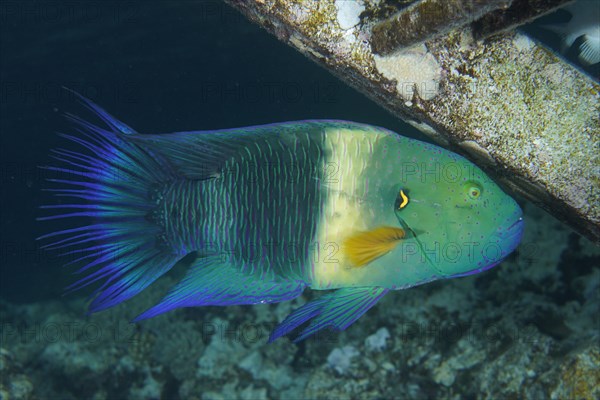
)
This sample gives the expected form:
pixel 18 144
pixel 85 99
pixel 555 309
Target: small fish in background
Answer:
pixel 272 210
pixel 581 33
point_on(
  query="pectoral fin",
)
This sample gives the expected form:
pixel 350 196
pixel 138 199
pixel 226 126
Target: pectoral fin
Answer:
pixel 364 247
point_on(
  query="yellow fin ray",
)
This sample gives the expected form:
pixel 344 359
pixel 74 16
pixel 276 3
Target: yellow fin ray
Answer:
pixel 364 247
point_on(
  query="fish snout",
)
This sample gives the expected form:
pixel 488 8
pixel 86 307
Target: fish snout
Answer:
pixel 510 236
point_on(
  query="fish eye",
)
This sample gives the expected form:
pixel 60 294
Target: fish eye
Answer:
pixel 473 190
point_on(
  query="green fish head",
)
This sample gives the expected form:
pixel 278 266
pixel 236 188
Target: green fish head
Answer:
pixel 462 221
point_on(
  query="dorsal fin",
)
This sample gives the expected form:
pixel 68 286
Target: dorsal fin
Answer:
pixel 115 125
pixel 196 155
pixel 203 154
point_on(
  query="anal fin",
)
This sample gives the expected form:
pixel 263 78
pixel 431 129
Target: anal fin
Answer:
pixel 210 281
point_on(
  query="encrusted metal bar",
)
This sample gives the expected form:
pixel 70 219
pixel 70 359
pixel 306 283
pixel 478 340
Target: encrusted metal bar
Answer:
pixel 428 19
pixel 519 13
pixel 513 107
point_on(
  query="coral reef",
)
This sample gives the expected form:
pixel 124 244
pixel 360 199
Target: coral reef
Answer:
pixel 14 384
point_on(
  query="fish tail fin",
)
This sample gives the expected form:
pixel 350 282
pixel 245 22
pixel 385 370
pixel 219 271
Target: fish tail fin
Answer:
pixel 109 181
pixel 590 50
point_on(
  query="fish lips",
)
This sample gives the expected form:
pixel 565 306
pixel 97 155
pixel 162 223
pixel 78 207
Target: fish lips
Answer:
pixel 511 236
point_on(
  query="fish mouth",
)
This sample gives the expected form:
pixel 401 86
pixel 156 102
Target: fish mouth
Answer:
pixel 517 224
pixel 513 234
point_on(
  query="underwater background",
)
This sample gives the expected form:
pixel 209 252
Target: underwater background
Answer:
pixel 528 328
